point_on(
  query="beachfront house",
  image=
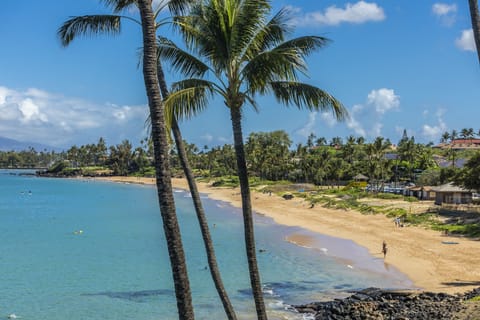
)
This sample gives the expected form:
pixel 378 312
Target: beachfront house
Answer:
pixel 448 193
pixel 420 192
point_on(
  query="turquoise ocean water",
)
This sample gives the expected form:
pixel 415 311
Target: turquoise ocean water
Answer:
pixel 84 249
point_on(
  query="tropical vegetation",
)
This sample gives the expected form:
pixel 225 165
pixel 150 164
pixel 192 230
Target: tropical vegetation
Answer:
pixel 270 156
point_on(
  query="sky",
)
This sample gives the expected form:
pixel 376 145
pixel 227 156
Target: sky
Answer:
pixel 395 65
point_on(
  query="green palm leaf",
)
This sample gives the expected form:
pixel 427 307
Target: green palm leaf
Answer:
pixel 177 7
pixel 305 45
pixel 245 24
pixel 269 35
pixel 306 96
pixel 188 98
pixel 271 66
pixel 281 63
pixel 120 5
pixel 181 60
pixel 89 25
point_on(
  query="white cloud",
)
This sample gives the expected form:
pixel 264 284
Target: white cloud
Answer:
pixel 357 13
pixel 224 140
pixel 37 93
pixel 30 111
pixel 353 123
pixel 4 94
pixel 309 127
pixel 376 129
pixel 357 108
pixel 442 9
pixel 445 12
pixel 328 118
pixel 466 41
pixel 207 137
pixel 356 126
pixel 367 119
pixel 383 100
pixel 434 132
pixel 35 115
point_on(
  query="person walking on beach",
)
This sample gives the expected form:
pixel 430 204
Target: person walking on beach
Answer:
pixel 384 249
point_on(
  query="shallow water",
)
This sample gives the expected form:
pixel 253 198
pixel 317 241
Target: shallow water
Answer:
pixel 84 249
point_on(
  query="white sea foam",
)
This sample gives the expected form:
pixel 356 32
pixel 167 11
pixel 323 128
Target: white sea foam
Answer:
pixel 308 316
pixel 268 291
pixel 277 304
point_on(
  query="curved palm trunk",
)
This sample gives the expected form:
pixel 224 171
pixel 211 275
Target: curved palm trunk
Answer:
pixel 160 147
pixel 475 15
pixel 197 203
pixel 255 282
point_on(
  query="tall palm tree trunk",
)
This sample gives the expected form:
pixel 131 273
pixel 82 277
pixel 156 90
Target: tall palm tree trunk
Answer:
pixel 160 147
pixel 475 15
pixel 197 203
pixel 255 281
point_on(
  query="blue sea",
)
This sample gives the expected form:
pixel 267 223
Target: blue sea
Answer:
pixel 85 249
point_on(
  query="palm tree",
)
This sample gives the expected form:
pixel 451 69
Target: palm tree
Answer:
pixel 160 147
pixel 112 24
pixel 475 16
pixel 445 137
pixel 321 141
pixel 453 137
pixel 464 133
pixel 376 162
pixel 245 55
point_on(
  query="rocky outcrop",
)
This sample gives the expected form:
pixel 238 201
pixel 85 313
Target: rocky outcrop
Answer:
pixel 378 304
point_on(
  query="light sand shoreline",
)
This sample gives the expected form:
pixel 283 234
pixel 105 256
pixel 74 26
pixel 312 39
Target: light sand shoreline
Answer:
pixel 420 254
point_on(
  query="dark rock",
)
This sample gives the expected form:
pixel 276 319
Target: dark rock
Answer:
pixel 374 303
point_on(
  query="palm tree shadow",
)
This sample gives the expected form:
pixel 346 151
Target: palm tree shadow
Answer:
pixel 461 283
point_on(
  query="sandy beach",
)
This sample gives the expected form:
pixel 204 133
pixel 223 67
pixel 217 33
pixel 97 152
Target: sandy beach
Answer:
pixel 434 262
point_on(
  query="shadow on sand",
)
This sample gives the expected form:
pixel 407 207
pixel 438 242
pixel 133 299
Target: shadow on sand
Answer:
pixel 461 283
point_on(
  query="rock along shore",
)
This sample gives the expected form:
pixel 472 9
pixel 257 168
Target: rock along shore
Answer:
pixel 378 304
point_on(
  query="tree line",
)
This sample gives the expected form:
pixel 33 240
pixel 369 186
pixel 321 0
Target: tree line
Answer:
pixel 269 156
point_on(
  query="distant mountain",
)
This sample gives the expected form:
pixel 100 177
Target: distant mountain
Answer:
pixel 7 144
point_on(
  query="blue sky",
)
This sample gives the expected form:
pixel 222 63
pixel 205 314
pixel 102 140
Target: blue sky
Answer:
pixel 395 65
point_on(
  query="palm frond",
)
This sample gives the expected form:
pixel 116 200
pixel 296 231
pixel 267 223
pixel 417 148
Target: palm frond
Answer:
pixel 188 98
pixel 120 5
pixel 179 7
pixel 272 66
pixel 306 96
pixel 252 102
pixel 246 20
pixel 281 63
pixel 270 35
pixel 305 45
pixel 88 25
pixel 181 60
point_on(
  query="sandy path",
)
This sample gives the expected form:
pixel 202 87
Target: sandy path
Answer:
pixel 418 253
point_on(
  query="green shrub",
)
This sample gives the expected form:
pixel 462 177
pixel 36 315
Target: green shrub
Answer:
pixel 356 185
pixel 230 181
pixel 410 199
pixel 58 167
